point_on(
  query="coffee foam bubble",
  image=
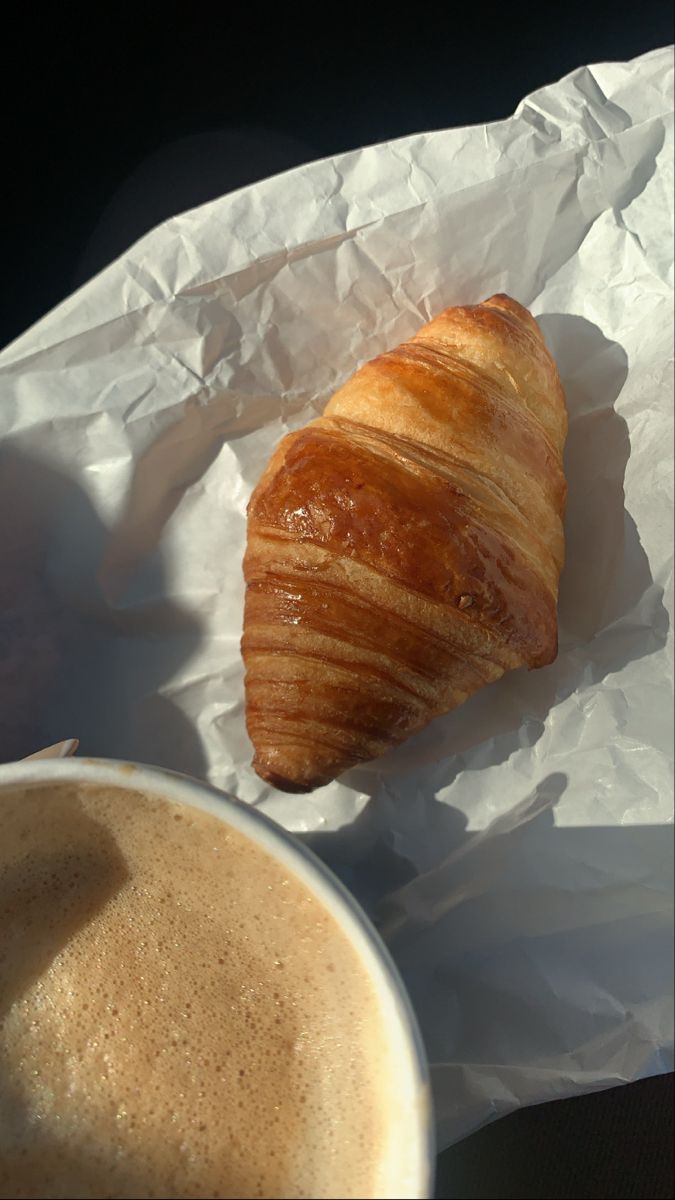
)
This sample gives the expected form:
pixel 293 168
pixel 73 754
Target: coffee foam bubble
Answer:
pixel 179 1016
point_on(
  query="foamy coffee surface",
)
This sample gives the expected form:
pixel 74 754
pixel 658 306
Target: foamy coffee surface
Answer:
pixel 179 1016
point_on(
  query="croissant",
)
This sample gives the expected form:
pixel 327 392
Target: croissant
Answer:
pixel 405 548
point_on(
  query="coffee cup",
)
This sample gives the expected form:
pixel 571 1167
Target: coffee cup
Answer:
pixel 102 862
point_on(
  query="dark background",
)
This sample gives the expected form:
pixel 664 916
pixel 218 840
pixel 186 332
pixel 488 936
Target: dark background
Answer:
pixel 94 154
pixel 83 109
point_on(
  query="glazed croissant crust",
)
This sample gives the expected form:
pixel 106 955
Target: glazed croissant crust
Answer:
pixel 405 548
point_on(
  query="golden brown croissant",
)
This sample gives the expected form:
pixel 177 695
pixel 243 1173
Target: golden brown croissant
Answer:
pixel 405 548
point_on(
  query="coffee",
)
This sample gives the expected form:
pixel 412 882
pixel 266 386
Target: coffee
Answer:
pixel 179 1015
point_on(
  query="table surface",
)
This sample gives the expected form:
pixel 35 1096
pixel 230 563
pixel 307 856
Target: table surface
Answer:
pixel 99 122
pixel 614 1145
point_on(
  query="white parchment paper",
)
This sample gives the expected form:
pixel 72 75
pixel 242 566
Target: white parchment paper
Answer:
pixel 517 854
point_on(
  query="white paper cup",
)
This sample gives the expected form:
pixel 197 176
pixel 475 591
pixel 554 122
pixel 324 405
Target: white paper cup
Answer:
pixel 408 1156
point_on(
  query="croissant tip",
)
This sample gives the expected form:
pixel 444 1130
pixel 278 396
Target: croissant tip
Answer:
pixel 281 782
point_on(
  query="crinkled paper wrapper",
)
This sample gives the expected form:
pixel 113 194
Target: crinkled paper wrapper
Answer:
pixel 517 854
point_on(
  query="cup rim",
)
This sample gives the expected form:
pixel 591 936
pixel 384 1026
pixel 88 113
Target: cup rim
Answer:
pixel 305 864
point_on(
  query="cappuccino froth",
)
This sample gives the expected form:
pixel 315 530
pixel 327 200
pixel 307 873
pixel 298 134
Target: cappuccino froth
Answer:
pixel 179 1015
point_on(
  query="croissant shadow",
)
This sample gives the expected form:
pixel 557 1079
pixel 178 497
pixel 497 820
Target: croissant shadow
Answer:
pixel 607 576
pixel 392 889
pixel 513 944
pixel 73 662
pixel 551 945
